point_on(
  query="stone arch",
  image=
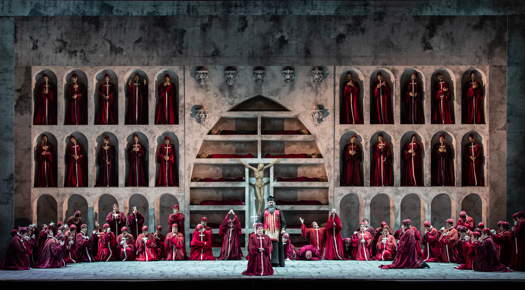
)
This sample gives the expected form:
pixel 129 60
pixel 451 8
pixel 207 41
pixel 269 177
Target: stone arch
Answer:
pixel 465 170
pixel 404 141
pixel 450 140
pixel 159 79
pixel 52 141
pixel 142 205
pixel 358 77
pixel 411 209
pixel 349 208
pixel 113 140
pixel 83 141
pixel 465 78
pixel 390 80
pixel 448 76
pixel 403 84
pixel 165 202
pixel 175 141
pixel 473 205
pixel 98 80
pixel 83 83
pixel 52 82
pixel 342 145
pixel 373 140
pixel 46 209
pixel 440 210
pixel 105 205
pixel 143 76
pixel 77 202
pixel 143 140
pixel 379 210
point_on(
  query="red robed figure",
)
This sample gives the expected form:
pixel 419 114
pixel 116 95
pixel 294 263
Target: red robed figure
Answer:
pixel 76 104
pixel 382 103
pixel 45 168
pixel 334 242
pixel 231 231
pixel 137 169
pixel 168 175
pixel 107 103
pixel 107 166
pixel 75 167
pixel 352 158
pixel 201 244
pixel 448 241
pixel 473 165
pixel 361 243
pixel 503 240
pixel 432 246
pixel 407 253
pixel 259 251
pixel 18 254
pixel 315 235
pixel 159 240
pixel 137 95
pixel 135 222
pixel 83 248
pixel 176 218
pixel 51 255
pixel 386 248
pixel 70 247
pixel 413 103
pixel 126 247
pixel 107 246
pixel 175 246
pixel 486 255
pixel 166 111
pixel 290 252
pixel 382 172
pixel 146 247
pixel 350 107
pixel 116 220
pixel 412 164
pixel 45 103
pixel 518 242
pixel 442 164
pixel 474 100
pixel 468 255
pixel 442 112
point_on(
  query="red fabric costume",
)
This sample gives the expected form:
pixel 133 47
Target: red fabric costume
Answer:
pixel 137 95
pixel 412 165
pixel 83 248
pixel 362 251
pixel 231 231
pixel 474 101
pixel 135 222
pixel 486 257
pixel 75 168
pixel 18 254
pixel 432 246
pixel 137 166
pixel 51 255
pixel 334 242
pixel 315 236
pixel 448 241
pixel 289 249
pixel 259 251
pixel 385 248
pixel 107 165
pixel 382 104
pixel 45 104
pixel 107 245
pixel 116 221
pixel 407 252
pixel 177 218
pixel 442 112
pixel 175 246
pixel 76 108
pixel 518 243
pixel 350 105
pixel 352 170
pixel 473 169
pixel 504 241
pixel 107 113
pixel 201 245
pixel 382 172
pixel 146 247
pixel 45 167
pixel 301 255
pixel 468 256
pixel 166 111
pixel 126 247
pixel 413 103
pixel 168 174
pixel 442 165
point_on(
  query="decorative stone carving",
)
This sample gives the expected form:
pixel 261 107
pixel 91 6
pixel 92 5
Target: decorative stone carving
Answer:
pixel 230 75
pixel 288 74
pixel 201 75
pixel 258 74
pixel 318 74
pixel 319 113
pixel 199 113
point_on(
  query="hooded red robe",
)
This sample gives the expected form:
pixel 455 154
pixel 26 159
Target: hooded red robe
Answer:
pixel 407 254
pixel 167 110
pixel 231 231
pixel 334 249
pixel 259 251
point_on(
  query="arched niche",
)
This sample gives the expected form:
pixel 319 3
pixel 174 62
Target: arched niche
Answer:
pixel 418 116
pixel 357 77
pixel 166 201
pixel 437 174
pixel 100 82
pixel 175 141
pixel 465 81
pixel 143 140
pixel 345 139
pixel 113 141
pixel 83 85
pixel 143 117
pixel 83 142
pixel 349 208
pixel 472 204
pixel 418 169
pixel 142 205
pixel 159 80
pixel 379 210
pixel 411 209
pixel 373 140
pixel 390 80
pixel 77 202
pixel 448 77
pixel 105 206
pixel 440 210
pixel 39 119
pixel 259 103
pixel 479 165
pixel 40 168
pixel 46 209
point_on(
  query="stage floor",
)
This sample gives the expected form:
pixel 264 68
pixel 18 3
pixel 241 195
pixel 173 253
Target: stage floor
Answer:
pixel 229 270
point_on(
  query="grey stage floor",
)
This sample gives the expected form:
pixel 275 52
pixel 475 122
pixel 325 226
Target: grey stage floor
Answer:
pixel 216 270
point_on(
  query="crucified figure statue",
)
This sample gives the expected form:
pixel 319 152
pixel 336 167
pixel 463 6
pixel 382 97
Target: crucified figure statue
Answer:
pixel 259 183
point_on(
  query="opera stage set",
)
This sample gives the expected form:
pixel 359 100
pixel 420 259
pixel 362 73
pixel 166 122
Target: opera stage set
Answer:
pixel 379 111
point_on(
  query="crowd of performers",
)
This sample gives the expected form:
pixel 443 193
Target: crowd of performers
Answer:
pixel 126 238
